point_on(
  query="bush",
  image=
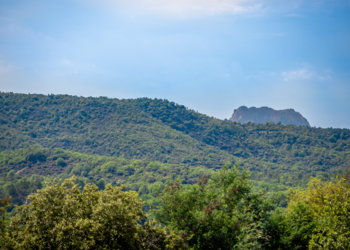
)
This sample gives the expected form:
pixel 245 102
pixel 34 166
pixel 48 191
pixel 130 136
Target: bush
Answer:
pixel 60 162
pixel 34 157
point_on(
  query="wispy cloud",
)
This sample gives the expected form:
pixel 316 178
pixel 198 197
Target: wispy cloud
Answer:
pixel 190 8
pixel 195 8
pixel 305 73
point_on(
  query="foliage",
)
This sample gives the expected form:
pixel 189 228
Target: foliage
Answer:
pixel 143 176
pixel 316 218
pixel 219 212
pixel 101 126
pixel 278 156
pixel 159 130
pixel 153 145
pixel 329 205
pixel 5 241
pixel 216 213
pixel 291 230
pixel 153 237
pixel 64 217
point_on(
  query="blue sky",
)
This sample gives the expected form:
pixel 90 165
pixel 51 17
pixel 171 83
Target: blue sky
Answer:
pixel 209 55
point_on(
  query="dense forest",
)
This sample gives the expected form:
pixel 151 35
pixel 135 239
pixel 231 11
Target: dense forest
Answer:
pixel 214 183
pixel 154 130
pixel 33 168
pixel 218 212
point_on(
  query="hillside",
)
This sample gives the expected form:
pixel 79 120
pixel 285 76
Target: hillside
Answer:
pixel 279 156
pixel 100 126
pixel 31 169
pixel 265 114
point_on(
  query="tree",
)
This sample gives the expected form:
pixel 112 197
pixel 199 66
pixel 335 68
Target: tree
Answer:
pixel 60 162
pixel 219 212
pixel 64 217
pixel 5 242
pixel 291 230
pixel 329 206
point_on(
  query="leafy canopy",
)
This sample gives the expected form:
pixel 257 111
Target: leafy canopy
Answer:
pixel 64 217
pixel 216 213
pixel 329 206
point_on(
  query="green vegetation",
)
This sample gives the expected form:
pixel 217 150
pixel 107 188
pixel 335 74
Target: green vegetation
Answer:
pixel 100 126
pixel 217 213
pixel 221 212
pixel 329 205
pixel 26 170
pixel 89 155
pixel 121 131
pixel 64 217
pixel 5 239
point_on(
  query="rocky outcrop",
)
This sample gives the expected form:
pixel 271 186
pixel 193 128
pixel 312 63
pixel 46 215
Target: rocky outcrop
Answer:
pixel 265 114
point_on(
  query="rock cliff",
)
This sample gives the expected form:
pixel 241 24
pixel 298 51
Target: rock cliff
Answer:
pixel 265 114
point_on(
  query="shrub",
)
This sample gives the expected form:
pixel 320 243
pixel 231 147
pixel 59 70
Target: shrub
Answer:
pixel 37 156
pixel 60 162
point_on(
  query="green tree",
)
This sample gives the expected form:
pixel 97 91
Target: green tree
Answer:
pixel 60 162
pixel 217 213
pixel 327 209
pixel 64 217
pixel 291 230
pixel 5 241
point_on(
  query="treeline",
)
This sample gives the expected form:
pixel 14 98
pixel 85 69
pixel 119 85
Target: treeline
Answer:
pixel 218 212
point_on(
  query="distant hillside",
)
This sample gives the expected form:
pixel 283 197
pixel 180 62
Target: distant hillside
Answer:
pixel 279 156
pixel 265 114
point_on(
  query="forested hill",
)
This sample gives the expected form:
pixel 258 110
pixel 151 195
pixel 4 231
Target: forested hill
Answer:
pixel 160 130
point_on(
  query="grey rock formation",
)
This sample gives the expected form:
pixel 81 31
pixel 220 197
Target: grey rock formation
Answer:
pixel 265 114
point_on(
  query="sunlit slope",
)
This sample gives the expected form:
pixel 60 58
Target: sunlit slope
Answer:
pixel 154 129
pixel 268 142
pixel 98 126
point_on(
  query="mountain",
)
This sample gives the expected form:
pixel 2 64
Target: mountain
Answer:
pixel 265 114
pixel 88 133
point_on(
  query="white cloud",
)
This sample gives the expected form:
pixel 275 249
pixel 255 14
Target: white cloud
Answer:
pixel 190 8
pixel 197 8
pixel 204 6
pixel 305 73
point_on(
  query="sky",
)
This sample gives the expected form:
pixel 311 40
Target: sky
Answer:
pixel 212 56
